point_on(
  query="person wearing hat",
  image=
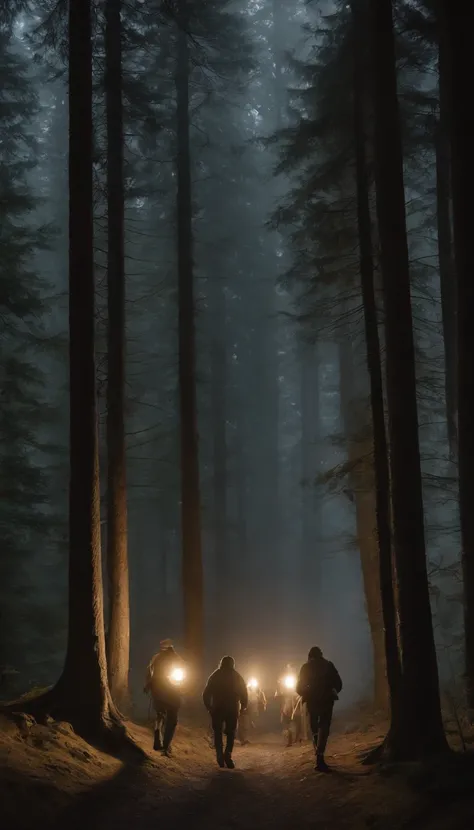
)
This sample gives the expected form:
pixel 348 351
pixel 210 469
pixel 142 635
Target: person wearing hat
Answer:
pixel 224 695
pixel 165 693
pixel 319 685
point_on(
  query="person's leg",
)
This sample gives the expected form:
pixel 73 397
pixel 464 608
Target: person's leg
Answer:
pixel 170 726
pixel 159 720
pixel 323 734
pixel 230 728
pixel 314 726
pixel 217 727
pixel 297 722
pixel 244 728
pixel 286 723
pixel 245 725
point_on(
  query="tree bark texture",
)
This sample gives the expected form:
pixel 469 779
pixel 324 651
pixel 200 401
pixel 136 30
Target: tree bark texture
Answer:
pixel 384 635
pixel 83 685
pixel 457 21
pixel 192 571
pixel 419 732
pixel 118 639
pixel 445 242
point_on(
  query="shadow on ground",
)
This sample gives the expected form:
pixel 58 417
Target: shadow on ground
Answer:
pixel 136 798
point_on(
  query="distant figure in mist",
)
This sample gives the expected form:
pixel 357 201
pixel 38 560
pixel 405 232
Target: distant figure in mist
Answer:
pixel 319 685
pixel 224 695
pixel 164 679
pixel 257 705
pixel 291 711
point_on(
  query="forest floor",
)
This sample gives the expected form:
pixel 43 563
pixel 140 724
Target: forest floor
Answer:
pixel 51 778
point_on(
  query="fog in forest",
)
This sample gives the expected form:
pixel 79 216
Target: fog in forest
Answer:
pixel 285 448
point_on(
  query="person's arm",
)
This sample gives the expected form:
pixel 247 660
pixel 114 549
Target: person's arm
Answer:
pixel 149 674
pixel 243 693
pixel 336 679
pixel 302 681
pixel 208 693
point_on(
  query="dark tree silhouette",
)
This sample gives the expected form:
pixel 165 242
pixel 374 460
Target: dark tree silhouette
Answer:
pixel 374 364
pixel 82 694
pixel 118 635
pixel 445 242
pixel 458 28
pixel 220 454
pixel 192 574
pixel 411 736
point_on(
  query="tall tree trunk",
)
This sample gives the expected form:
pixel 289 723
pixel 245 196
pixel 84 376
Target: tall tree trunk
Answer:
pixel 458 27
pixel 118 640
pixel 82 693
pixel 359 437
pixel 445 252
pixel 310 501
pixel 85 670
pixel 412 736
pixel 219 438
pixel 192 572
pixel 387 690
pixel 241 489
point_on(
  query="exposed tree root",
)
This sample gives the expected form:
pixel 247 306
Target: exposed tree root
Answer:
pixel 375 755
pixel 395 751
pixel 104 729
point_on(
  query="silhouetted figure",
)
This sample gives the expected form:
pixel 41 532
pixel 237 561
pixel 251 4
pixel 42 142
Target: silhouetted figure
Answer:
pixel 290 705
pixel 257 703
pixel 319 685
pixel 164 681
pixel 224 694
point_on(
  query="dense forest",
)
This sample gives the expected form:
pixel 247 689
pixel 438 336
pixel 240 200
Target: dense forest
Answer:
pixel 236 363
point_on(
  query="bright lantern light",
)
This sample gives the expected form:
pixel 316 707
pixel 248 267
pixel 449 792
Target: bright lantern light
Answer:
pixel 177 675
pixel 289 681
pixel 253 683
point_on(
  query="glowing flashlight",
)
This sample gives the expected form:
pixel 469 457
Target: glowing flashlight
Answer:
pixel 289 681
pixel 177 675
pixel 253 683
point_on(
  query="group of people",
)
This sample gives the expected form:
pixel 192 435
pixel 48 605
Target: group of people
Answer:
pixel 233 704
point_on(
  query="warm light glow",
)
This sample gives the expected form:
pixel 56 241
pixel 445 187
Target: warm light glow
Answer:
pixel 177 675
pixel 289 681
pixel 253 683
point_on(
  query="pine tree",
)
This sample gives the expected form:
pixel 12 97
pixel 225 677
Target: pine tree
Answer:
pixel 82 693
pixel 457 30
pixel 318 152
pixel 192 73
pixel 118 635
pixel 381 470
pixel 411 736
pixel 84 680
pixel 24 522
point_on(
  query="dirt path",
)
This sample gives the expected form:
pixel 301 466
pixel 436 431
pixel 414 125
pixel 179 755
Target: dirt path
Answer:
pixel 271 787
pixel 50 778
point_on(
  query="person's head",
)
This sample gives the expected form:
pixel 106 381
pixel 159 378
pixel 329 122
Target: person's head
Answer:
pixel 227 663
pixel 315 653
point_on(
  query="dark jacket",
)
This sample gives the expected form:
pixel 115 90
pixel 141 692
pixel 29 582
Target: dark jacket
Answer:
pixel 157 680
pixel 224 691
pixel 319 683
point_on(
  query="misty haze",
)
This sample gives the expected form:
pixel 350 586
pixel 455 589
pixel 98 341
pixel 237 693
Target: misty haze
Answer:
pixel 236 414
